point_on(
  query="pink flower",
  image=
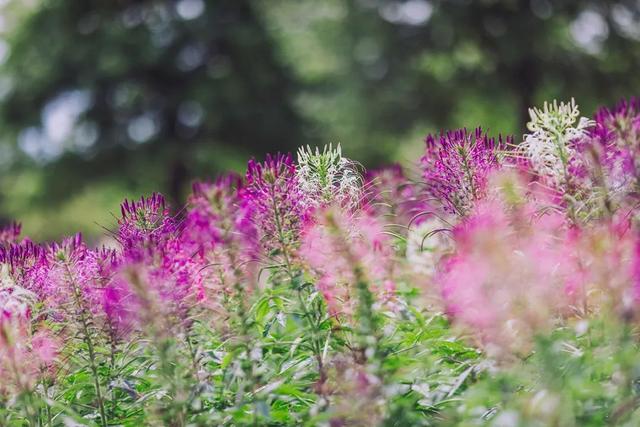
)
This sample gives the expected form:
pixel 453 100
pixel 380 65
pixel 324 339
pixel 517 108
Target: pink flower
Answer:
pixel 607 258
pixel 45 347
pixel 24 358
pixel 343 249
pixel 506 280
pixel 221 235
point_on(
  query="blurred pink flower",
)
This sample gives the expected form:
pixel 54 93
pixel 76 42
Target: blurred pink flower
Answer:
pixel 341 249
pixel 506 280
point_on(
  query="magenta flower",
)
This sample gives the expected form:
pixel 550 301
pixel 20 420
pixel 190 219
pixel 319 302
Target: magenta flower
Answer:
pixel 10 233
pixel 220 234
pixel 217 212
pixel 112 297
pixel 617 142
pixel 158 276
pixel 72 281
pixel 456 165
pixel 26 266
pixel 145 225
pixel 276 203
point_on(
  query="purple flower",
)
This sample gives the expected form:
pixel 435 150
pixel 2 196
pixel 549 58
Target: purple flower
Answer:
pixel 276 202
pixel 158 276
pixel 70 277
pixel 456 166
pixel 145 225
pixel 10 233
pixel 220 235
pixel 617 143
pixel 216 213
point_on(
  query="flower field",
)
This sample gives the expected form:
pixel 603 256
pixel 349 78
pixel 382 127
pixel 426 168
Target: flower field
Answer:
pixel 494 282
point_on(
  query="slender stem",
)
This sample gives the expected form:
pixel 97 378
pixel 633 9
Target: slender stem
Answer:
pixel 47 408
pixel 193 352
pixel 281 238
pixel 316 342
pixel 112 363
pixel 84 322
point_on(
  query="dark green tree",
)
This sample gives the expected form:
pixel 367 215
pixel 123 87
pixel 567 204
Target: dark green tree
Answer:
pixel 158 91
pixel 401 67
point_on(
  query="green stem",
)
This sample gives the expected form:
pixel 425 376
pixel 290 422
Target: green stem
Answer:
pixel 84 322
pixel 316 341
pixel 47 409
pixel 112 364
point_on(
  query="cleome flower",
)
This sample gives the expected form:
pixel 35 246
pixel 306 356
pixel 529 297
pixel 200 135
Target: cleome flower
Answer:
pixel 456 165
pixel 10 233
pixel 616 139
pixel 552 147
pixel 276 203
pixel 506 278
pixel 144 225
pixel 27 348
pixel 325 176
pixel 344 249
pixel 220 235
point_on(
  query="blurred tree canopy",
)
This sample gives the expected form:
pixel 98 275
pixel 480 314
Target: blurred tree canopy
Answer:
pixel 105 99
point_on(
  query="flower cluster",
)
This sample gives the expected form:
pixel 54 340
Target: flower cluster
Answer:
pixel 220 234
pixel 276 201
pixel 507 277
pixel 306 293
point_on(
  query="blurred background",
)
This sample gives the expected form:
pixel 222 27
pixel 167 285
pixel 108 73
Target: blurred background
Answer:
pixel 106 99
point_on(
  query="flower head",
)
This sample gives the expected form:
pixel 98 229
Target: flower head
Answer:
pixel 25 356
pixel 326 177
pixel 160 274
pixel 10 233
pixel 216 213
pixel 276 202
pixel 616 140
pixel 606 259
pixel 219 233
pixel 507 277
pixel 552 147
pixel 144 224
pixel 456 165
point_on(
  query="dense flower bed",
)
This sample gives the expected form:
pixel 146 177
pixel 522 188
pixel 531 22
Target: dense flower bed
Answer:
pixel 499 286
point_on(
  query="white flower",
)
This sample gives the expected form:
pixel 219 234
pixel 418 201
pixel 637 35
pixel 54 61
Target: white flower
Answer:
pixel 325 176
pixel 550 146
